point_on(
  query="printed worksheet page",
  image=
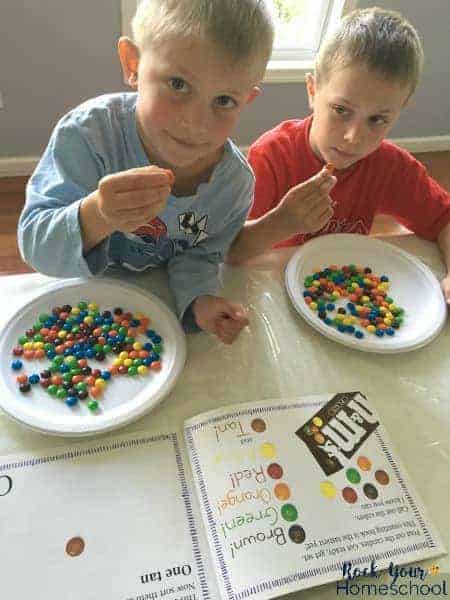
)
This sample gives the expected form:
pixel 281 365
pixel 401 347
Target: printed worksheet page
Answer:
pixel 110 519
pixel 290 491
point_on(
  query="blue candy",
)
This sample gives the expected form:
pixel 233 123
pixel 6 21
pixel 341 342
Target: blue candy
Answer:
pixel 71 400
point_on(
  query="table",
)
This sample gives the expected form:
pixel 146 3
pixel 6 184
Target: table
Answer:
pixel 279 355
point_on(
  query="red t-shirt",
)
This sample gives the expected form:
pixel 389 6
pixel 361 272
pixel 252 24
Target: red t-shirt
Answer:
pixel 388 181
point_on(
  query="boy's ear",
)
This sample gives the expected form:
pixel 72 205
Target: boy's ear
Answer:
pixel 256 91
pixel 310 89
pixel 129 59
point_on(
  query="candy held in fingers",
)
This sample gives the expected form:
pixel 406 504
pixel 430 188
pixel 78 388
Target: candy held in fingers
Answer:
pixel 330 168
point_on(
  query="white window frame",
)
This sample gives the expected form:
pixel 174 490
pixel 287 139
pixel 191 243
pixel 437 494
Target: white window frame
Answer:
pixel 286 66
pixel 289 66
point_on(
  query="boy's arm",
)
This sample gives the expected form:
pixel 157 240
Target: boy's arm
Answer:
pixel 94 228
pixel 443 242
pixel 258 236
pixel 49 231
pixel 194 272
pixel 306 208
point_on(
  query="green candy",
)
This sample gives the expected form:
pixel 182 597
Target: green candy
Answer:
pixel 289 512
pixel 92 405
pixel 353 475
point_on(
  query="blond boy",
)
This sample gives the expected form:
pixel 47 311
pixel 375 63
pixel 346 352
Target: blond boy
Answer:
pixel 151 178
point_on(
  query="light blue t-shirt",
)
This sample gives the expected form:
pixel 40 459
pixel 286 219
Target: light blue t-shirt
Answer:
pixel 190 237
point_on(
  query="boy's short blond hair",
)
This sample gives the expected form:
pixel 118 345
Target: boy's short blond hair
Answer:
pixel 242 29
pixel 382 40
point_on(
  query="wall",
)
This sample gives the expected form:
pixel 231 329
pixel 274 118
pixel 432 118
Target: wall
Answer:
pixel 56 53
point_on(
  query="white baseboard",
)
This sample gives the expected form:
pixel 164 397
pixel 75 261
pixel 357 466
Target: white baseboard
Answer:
pixel 16 166
pixel 25 165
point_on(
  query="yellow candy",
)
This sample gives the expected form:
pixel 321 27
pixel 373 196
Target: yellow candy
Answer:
pixel 365 299
pixel 128 362
pixel 75 310
pixel 92 306
pixel 354 285
pixel 389 315
pixel 28 346
pixel 313 306
pixel 316 283
pixel 371 328
pixel 101 383
pixel 123 355
pixel 347 321
pixel 142 370
pixel 117 362
pixel 38 345
pixel 88 320
pixel 387 322
pixel 62 334
pixel 392 307
pixel 138 346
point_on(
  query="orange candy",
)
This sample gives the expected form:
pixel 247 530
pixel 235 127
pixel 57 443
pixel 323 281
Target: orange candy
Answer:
pixel 95 391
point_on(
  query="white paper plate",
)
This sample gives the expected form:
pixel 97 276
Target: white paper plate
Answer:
pixel 125 398
pixel 412 286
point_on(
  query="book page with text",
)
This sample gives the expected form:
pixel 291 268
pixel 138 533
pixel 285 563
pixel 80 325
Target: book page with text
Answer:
pixel 102 519
pixel 292 490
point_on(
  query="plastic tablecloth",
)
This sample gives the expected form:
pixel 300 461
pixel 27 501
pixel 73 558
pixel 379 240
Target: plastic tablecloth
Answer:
pixel 280 355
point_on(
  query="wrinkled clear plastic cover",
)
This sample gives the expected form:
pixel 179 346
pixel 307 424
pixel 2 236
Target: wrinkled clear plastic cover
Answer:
pixel 279 355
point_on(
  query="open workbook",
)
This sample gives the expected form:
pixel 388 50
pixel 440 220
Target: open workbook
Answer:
pixel 249 501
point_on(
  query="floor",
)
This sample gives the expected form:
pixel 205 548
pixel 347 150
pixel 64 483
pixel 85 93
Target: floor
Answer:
pixel 12 195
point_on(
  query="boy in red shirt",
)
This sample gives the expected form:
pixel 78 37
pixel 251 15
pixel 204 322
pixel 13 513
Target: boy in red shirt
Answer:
pixel 365 73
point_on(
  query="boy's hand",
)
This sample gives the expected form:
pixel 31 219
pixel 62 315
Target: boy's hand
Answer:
pixel 131 198
pixel 219 316
pixel 445 284
pixel 307 207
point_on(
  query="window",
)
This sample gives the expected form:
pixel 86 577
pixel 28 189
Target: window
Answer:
pixel 300 27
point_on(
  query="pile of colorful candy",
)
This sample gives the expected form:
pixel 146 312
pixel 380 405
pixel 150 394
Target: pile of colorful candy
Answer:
pixel 71 335
pixel 367 302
